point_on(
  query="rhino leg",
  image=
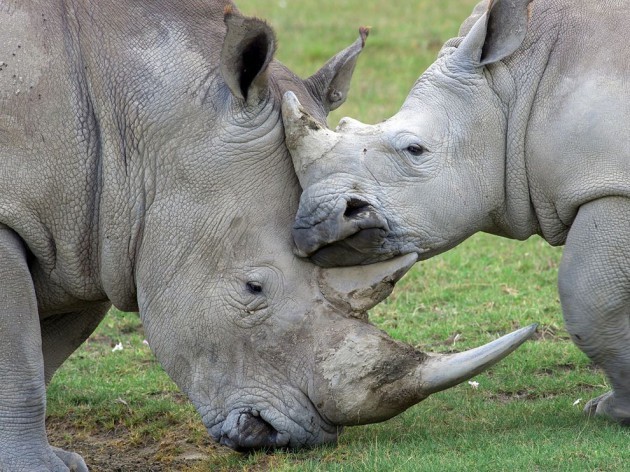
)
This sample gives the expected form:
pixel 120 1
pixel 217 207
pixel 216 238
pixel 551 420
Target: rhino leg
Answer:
pixel 23 442
pixel 594 283
pixel 606 406
pixel 73 461
pixel 63 334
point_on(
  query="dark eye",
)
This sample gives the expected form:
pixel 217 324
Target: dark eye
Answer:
pixel 254 287
pixel 415 150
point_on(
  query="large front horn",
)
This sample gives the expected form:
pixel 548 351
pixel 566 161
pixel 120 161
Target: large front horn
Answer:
pixel 443 371
pixel 364 376
pixel 367 377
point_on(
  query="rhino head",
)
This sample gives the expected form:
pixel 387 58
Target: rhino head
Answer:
pixel 272 350
pixel 285 355
pixel 430 176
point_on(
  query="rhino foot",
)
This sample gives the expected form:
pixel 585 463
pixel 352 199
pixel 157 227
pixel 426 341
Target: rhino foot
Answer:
pixel 73 461
pixel 49 459
pixel 606 406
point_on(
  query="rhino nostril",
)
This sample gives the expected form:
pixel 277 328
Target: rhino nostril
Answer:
pixel 246 430
pixel 354 207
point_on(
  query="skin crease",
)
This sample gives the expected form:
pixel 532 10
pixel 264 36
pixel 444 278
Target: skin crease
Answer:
pixel 149 169
pixel 518 128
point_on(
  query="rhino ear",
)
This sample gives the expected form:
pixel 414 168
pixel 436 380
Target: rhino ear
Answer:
pixel 248 48
pixel 506 29
pixel 331 83
pixel 496 34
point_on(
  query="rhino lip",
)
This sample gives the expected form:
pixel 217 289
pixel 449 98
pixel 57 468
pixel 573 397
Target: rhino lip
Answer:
pixel 350 218
pixel 246 430
pixel 364 247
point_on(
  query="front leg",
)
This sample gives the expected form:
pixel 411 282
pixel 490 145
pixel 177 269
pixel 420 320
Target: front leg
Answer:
pixel 594 285
pixel 23 443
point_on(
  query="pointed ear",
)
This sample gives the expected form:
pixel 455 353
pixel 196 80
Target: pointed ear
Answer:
pixel 359 288
pixel 248 48
pixel 506 29
pixel 331 83
pixel 496 34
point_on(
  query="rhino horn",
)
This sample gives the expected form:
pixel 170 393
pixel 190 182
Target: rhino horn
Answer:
pixel 307 140
pixel 370 377
pixel 443 371
pixel 364 375
pixel 360 288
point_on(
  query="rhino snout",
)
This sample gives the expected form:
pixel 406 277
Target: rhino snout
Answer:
pixel 247 430
pixel 345 235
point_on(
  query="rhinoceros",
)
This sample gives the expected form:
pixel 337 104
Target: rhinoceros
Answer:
pixel 520 127
pixel 143 164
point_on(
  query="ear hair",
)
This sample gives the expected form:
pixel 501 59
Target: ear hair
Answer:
pixel 248 48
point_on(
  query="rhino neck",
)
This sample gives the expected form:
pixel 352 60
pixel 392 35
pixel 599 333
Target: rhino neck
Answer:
pixel 106 174
pixel 138 77
pixel 573 149
pixel 516 81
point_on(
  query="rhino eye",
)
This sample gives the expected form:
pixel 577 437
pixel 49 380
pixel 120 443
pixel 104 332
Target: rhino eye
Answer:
pixel 415 150
pixel 254 287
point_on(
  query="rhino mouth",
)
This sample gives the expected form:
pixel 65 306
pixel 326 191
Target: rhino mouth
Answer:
pixel 363 247
pixel 349 231
pixel 246 430
pixel 249 429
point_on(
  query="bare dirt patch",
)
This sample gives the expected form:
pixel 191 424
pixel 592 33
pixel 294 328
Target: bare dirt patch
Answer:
pixel 115 451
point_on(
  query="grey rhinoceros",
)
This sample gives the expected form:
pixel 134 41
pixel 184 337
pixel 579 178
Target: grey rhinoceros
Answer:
pixel 143 163
pixel 520 127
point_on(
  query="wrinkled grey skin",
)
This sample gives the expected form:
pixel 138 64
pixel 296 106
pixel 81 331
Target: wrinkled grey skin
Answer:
pixel 520 127
pixel 143 163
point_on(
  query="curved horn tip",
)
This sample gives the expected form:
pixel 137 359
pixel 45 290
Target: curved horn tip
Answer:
pixel 523 333
pixel 364 32
pixel 408 260
pixel 444 371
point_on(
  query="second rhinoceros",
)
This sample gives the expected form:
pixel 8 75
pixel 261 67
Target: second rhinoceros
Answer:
pixel 143 163
pixel 520 127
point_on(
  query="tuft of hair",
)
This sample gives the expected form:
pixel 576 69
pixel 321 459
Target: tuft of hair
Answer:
pixel 228 10
pixel 364 31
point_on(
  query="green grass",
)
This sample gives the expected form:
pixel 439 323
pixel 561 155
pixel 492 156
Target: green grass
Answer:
pixel 122 413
